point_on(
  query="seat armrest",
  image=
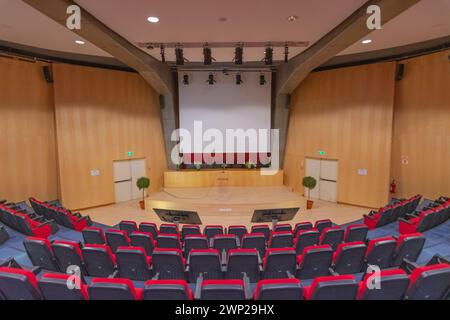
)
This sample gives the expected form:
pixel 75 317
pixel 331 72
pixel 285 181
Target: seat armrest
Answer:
pixel 408 266
pixel 404 221
pixel 44 224
pixel 113 275
pixel 198 287
pixel 289 275
pixel 332 272
pixel 247 288
pixel 36 270
pixel 156 276
pixel 368 217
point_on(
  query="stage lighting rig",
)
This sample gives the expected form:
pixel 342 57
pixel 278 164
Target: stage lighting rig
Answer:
pixel 286 53
pixel 238 55
pixel 207 55
pixel 186 79
pixel 268 55
pixel 211 80
pixel 163 53
pixel 179 56
pixel 262 79
pixel 239 79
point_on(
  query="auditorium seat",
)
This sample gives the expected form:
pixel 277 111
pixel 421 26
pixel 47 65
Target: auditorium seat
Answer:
pixel 306 238
pixel 238 231
pixel 169 228
pixel 332 236
pixel 391 285
pixel 230 290
pixel 117 238
pixel 128 226
pixel 279 263
pixel 349 258
pixel 168 264
pixel 188 230
pixel 302 226
pixel 255 241
pixel 409 246
pixel 169 241
pixel 212 230
pixel 167 290
pixel 242 262
pixel 143 240
pixel 22 223
pixel 225 242
pixel 68 254
pixel 282 239
pixel 150 228
pixel 356 232
pixel 194 241
pixel 282 227
pixel 55 287
pixel 429 282
pixel 380 252
pixel 19 284
pixel 204 262
pixel 113 289
pixel 133 263
pixel 279 289
pixel 262 228
pixel 92 235
pixel 40 253
pixel 332 288
pixel 99 260
pixel 378 219
pixel 315 261
pixel 323 224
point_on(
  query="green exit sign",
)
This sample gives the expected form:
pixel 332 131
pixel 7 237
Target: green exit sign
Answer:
pixel 130 153
pixel 321 153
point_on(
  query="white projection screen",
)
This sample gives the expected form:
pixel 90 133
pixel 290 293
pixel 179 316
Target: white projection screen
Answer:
pixel 225 105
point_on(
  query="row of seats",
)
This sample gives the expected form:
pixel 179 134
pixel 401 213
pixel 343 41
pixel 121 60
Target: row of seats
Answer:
pixel 392 212
pixel 60 215
pixel 133 262
pixel 305 236
pixel 22 223
pixel 424 283
pixel 425 220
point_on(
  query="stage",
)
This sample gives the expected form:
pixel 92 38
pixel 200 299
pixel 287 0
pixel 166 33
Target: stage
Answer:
pixel 225 206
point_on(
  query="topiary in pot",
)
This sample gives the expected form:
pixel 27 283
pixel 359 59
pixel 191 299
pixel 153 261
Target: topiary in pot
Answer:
pixel 309 183
pixel 143 183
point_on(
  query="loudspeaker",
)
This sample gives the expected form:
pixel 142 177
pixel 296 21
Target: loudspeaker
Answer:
pixel 47 74
pixel 162 101
pixel 288 101
pixel 400 72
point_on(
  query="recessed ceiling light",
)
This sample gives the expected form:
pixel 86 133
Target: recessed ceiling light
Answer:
pixel 79 42
pixel 292 18
pixel 366 41
pixel 153 19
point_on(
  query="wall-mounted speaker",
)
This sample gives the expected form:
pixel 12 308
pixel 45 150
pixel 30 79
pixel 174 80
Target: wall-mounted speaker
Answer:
pixel 162 101
pixel 47 74
pixel 400 72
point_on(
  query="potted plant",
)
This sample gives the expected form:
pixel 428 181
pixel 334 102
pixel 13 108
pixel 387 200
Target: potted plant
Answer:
pixel 250 165
pixel 143 183
pixel 309 183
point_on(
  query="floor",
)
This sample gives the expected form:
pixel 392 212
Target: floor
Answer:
pixel 225 205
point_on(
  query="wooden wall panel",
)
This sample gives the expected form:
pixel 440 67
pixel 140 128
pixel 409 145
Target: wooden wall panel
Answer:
pixel 347 113
pixel 100 116
pixel 27 133
pixel 422 127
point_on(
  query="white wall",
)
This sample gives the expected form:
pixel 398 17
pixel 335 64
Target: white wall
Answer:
pixel 225 105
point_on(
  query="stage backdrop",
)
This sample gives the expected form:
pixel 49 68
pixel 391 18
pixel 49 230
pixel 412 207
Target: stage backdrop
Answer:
pixel 225 105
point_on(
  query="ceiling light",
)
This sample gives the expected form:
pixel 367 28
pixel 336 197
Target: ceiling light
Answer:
pixel 366 41
pixel 153 19
pixel 79 42
pixel 292 18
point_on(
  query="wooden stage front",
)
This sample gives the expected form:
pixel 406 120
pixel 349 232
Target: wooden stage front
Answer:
pixel 207 178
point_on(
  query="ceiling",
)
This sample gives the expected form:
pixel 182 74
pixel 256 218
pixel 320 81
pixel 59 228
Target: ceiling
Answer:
pixel 198 21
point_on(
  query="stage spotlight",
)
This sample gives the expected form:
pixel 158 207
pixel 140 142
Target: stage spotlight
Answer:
pixel 179 56
pixel 239 79
pixel 268 55
pixel 207 55
pixel 163 53
pixel 211 80
pixel 186 79
pixel 262 79
pixel 286 53
pixel 238 55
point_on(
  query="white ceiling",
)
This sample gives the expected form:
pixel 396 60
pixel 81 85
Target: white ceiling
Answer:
pixel 198 21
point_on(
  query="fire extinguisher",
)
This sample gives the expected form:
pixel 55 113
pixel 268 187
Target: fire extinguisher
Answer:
pixel 393 187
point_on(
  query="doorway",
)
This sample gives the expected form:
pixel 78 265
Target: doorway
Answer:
pixel 126 174
pixel 326 174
